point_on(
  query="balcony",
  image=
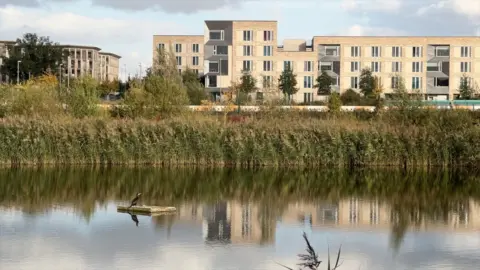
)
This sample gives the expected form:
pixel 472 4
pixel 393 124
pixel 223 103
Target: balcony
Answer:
pixel 331 68
pixel 437 53
pixel 438 86
pixel 439 69
pixel 329 53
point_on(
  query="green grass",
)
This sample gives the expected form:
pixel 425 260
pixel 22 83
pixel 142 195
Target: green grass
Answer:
pixel 428 139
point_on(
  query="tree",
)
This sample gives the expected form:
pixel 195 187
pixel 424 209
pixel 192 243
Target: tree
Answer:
pixel 248 84
pixel 195 90
pixel 38 56
pixel 334 103
pixel 465 89
pixel 107 87
pixel 287 83
pixel 350 97
pixel 377 93
pixel 367 83
pixel 324 83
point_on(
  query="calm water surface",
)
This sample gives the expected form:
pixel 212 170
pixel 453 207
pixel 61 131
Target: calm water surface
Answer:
pixel 226 219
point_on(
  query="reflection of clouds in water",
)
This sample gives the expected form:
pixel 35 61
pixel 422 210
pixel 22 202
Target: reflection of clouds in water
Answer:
pixel 113 242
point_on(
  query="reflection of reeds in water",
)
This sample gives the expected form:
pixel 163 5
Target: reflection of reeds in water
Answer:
pixel 311 261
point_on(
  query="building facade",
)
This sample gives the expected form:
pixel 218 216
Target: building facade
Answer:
pixel 82 60
pixel 433 66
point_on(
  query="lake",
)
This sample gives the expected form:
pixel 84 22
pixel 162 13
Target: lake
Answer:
pixel 66 218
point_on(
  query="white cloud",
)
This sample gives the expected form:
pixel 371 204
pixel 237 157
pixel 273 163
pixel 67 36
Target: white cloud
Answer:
pixel 360 30
pixel 70 28
pixel 470 8
pixel 372 5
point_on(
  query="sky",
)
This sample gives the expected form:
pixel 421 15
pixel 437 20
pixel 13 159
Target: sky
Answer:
pixel 126 27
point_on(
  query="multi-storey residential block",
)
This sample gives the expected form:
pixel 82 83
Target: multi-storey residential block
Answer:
pixel 434 66
pixel 82 60
pixel 109 66
pixel 188 50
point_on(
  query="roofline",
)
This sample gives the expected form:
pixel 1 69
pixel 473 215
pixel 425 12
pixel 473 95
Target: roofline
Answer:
pixel 241 20
pixel 7 41
pixel 398 36
pixel 110 54
pixel 178 35
pixel 78 46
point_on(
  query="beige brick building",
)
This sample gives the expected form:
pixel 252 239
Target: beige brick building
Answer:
pixel 432 65
pixel 83 60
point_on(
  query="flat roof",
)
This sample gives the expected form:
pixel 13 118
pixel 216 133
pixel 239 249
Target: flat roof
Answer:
pixel 111 54
pixel 398 36
pixel 79 46
pixel 241 20
pixel 178 35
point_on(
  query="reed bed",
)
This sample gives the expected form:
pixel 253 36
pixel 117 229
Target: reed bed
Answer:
pixel 439 139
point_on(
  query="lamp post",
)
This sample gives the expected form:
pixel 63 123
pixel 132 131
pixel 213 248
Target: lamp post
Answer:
pixel 18 71
pixel 60 75
pixel 69 72
pixel 140 65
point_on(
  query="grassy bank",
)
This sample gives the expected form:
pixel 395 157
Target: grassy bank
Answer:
pixel 429 138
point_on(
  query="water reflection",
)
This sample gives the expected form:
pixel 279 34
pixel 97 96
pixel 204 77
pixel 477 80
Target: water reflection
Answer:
pixel 257 216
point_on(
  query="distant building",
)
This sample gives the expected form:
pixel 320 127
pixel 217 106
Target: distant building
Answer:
pixel 432 65
pixel 83 60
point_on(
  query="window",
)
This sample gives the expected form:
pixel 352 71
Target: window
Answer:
pixel 307 97
pixel 307 81
pixel 395 82
pixel 267 50
pixel 417 66
pixel 466 80
pixel 416 82
pixel 267 81
pixel 417 51
pixel 375 51
pixel 442 51
pixel 195 61
pixel 354 66
pixel 267 65
pixel 217 35
pixel 161 46
pixel 466 51
pixel 433 66
pixel 179 60
pixel 396 51
pixel 247 35
pixel 178 48
pixel 308 66
pixel 287 65
pixel 212 81
pixel 267 35
pixel 331 50
pixel 196 48
pixel 355 51
pixel 396 67
pixel 180 70
pixel 247 65
pixel 465 67
pixel 220 50
pixel 354 82
pixel 213 67
pixel 195 71
pixel 247 50
pixel 375 67
pixel 441 82
pixel 324 66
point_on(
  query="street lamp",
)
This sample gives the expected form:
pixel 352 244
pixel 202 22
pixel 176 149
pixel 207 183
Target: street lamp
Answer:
pixel 18 71
pixel 140 65
pixel 60 75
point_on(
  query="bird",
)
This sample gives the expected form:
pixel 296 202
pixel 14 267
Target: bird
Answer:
pixel 135 219
pixel 135 200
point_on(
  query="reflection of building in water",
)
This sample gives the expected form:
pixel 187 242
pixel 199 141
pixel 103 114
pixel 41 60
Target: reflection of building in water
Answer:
pixel 216 224
pixel 369 214
pixel 190 212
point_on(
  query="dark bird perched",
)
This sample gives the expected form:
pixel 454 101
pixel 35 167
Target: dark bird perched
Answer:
pixel 135 200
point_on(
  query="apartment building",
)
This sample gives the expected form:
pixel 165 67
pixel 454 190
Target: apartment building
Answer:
pixel 82 60
pixel 109 66
pixel 434 66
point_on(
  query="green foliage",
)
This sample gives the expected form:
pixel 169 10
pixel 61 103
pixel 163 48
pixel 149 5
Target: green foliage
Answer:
pixel 82 98
pixel 334 103
pixel 350 97
pixel 436 138
pixel 247 83
pixel 324 83
pixel 195 90
pixel 466 90
pixel 367 82
pixel 38 55
pixel 107 87
pixel 287 83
